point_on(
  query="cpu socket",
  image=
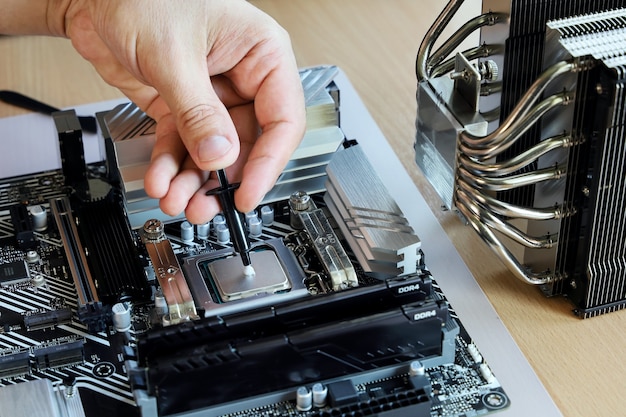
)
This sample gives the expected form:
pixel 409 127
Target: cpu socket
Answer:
pixel 232 284
pixel 218 283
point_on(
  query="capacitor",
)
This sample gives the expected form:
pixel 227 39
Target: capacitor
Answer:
pixel 160 303
pixel 203 230
pixel 121 317
pixel 255 227
pixel 186 232
pixel 251 215
pixel 267 215
pixel 222 234
pixel 304 399
pixel 320 394
pixel 217 220
pixel 416 368
pixel 40 218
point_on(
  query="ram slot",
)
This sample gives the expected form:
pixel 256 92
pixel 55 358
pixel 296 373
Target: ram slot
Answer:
pixel 90 311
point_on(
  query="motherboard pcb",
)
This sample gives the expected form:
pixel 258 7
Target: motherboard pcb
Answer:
pixel 108 308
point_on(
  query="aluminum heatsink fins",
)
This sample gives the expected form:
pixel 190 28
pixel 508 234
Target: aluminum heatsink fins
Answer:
pixel 130 135
pixel 593 253
pixel 371 221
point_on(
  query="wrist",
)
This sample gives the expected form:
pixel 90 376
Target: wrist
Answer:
pixel 33 17
pixel 56 16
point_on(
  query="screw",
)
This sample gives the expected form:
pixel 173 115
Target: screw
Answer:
pixel 599 89
pixel 70 386
pixel 153 229
pixel 488 70
pixel 300 201
pixel 586 191
pixel 460 75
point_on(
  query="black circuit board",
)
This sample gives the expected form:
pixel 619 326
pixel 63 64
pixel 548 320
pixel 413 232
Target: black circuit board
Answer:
pixel 41 336
pixel 459 389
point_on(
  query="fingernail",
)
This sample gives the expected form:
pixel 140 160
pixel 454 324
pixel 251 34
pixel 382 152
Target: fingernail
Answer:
pixel 213 148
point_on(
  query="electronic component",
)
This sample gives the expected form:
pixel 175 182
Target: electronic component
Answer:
pixel 267 215
pixel 47 319
pixel 186 232
pixel 318 352
pixel 203 230
pixel 14 272
pixel 112 256
pixel 72 151
pixel 23 225
pixel 233 283
pixel 141 318
pixel 588 238
pixel 38 398
pixel 255 226
pixel 14 363
pixel 90 309
pixel 59 355
pixel 330 252
pixel 216 288
pixel 342 393
pixel 39 217
pixel 121 317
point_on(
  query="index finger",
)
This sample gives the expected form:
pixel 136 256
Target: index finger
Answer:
pixel 281 114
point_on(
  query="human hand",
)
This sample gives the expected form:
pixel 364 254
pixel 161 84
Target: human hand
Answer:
pixel 220 79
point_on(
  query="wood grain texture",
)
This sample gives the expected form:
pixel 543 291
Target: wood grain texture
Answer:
pixel 375 43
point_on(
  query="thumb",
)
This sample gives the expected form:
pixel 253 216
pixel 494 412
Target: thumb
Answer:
pixel 207 131
pixel 202 120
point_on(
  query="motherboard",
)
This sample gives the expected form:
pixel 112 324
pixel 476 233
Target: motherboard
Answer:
pixel 110 307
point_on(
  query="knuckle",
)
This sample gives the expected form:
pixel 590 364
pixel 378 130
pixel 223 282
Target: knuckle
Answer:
pixel 197 117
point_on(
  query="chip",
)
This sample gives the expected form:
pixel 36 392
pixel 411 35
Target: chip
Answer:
pixel 13 272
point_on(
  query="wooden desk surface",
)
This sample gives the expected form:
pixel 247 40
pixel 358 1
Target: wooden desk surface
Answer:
pixel 375 43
